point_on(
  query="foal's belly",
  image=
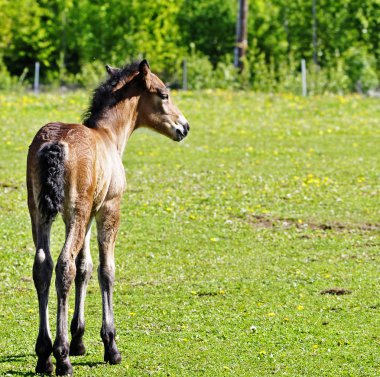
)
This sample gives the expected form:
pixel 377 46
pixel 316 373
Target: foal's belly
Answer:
pixel 111 182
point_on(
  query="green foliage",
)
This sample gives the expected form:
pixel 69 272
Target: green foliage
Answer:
pixel 202 75
pixel 6 80
pixel 199 72
pixel 9 82
pixel 28 40
pixel 226 76
pixel 68 35
pixel 226 240
pixel 360 68
pixel 210 26
pixel 91 74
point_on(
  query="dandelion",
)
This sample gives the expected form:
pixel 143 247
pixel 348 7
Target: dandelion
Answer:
pixel 253 328
pixel 300 307
pixel 262 353
pixel 271 314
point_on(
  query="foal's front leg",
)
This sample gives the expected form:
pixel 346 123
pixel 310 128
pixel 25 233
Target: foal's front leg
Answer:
pixel 107 221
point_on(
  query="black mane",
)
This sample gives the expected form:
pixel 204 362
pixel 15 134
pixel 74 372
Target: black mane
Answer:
pixel 104 97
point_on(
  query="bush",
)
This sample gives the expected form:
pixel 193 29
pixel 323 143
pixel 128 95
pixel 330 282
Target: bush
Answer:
pixel 328 80
pixel 91 74
pixel 199 72
pixel 7 81
pixel 360 68
pixel 226 76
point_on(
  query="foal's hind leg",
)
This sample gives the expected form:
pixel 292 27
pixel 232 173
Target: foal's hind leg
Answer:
pixel 42 272
pixel 108 224
pixel 84 271
pixel 65 274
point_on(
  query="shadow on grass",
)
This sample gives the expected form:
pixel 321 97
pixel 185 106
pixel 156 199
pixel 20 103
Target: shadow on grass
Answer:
pixel 87 363
pixel 16 359
pixel 21 358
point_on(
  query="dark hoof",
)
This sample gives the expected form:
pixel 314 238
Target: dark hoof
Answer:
pixel 112 357
pixel 64 368
pixel 44 366
pixel 77 348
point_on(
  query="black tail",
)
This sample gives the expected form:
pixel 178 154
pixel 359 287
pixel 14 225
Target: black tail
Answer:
pixel 52 170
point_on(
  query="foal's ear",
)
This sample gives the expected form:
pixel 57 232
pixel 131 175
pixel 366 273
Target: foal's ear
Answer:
pixel 144 70
pixel 144 67
pixel 111 71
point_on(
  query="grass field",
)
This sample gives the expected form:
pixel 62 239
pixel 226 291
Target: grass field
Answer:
pixel 227 240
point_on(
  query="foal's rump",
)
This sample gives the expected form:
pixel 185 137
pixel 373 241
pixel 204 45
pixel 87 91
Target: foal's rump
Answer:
pixel 50 169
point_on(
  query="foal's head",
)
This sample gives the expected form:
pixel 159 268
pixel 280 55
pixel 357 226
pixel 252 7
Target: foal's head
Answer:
pixel 155 108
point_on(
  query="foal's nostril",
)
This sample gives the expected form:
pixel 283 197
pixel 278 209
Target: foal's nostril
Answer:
pixel 179 134
pixel 187 127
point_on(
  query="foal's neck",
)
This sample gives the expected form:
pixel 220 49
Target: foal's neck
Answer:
pixel 120 121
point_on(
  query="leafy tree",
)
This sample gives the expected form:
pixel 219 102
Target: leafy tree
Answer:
pixel 27 40
pixel 72 38
pixel 210 26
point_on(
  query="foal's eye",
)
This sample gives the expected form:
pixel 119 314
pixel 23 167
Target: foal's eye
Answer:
pixel 163 95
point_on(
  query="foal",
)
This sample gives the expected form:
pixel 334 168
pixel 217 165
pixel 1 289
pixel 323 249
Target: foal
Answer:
pixel 77 170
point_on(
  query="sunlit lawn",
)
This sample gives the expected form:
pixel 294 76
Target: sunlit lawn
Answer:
pixel 226 243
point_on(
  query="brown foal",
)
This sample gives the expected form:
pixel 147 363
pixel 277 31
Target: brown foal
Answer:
pixel 77 170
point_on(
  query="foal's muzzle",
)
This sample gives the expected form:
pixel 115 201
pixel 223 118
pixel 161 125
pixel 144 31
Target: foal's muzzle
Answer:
pixel 182 128
pixel 182 131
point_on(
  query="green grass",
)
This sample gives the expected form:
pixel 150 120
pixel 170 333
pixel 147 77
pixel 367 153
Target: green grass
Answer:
pixel 226 242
